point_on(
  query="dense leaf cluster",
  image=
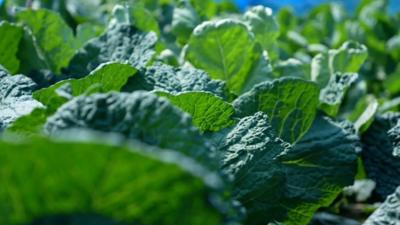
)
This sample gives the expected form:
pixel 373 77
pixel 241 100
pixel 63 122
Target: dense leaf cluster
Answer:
pixel 190 112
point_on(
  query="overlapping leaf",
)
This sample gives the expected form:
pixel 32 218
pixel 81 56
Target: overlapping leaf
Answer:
pixel 290 103
pixel 277 182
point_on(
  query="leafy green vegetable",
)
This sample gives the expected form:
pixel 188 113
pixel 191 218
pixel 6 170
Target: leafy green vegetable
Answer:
pixel 226 50
pixel 262 23
pixel 302 178
pixel 377 154
pixel 332 95
pixel 142 116
pixel 121 43
pixel 53 39
pixel 347 59
pixel 165 78
pixel 107 77
pixel 10 35
pixel 15 98
pixel 137 15
pixel 66 177
pixel 387 212
pixel 209 112
pixel 394 135
pixel 290 103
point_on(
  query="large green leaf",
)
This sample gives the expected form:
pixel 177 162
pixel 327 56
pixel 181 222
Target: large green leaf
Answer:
pixel 276 182
pixel 290 103
pixel 141 115
pixel 107 77
pixel 11 36
pixel 388 212
pixel 209 112
pixel 54 40
pixel 380 164
pixel 15 98
pixel 226 50
pixel 128 184
pixel 121 43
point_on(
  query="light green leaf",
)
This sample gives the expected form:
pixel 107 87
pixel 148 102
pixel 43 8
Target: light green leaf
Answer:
pixel 136 15
pixel 107 77
pixel 292 68
pixel 184 20
pixel 264 26
pixel 54 40
pixel 140 115
pixel 347 59
pixel 209 112
pixel 126 183
pixel 226 50
pixel 11 36
pixel 87 31
pixel 276 182
pixel 364 113
pixel 332 95
pixel 290 103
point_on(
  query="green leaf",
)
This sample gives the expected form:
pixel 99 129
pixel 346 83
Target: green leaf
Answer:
pixel 347 59
pixel 15 98
pixel 387 212
pixel 209 112
pixel 226 50
pixel 262 23
pixel 141 115
pixel 290 103
pixel 107 77
pixel 166 78
pixel 87 31
pixel 54 40
pixel 292 68
pixel 364 113
pixel 380 164
pixel 276 182
pixel 332 95
pixel 43 178
pixel 184 20
pixel 136 15
pixel 11 36
pixel 394 135
pixel 121 43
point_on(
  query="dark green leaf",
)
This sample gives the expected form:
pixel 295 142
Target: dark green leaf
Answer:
pixel 276 182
